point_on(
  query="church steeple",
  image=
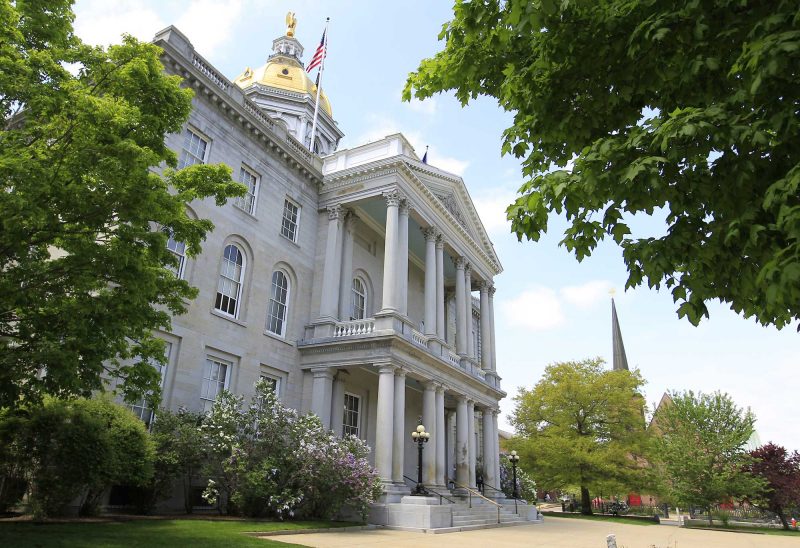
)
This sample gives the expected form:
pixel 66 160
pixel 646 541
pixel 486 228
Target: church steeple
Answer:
pixel 620 359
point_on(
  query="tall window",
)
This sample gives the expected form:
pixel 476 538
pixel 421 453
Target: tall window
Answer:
pixel 272 382
pixel 194 150
pixel 352 411
pixel 250 180
pixel 291 217
pixel 231 274
pixel 276 315
pixel 179 250
pixel 142 407
pixel 215 380
pixel 358 300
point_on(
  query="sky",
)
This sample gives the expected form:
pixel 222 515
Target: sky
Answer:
pixel 548 307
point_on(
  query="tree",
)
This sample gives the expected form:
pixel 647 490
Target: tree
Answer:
pixel 84 218
pixel 582 425
pixel 701 447
pixel 635 107
pixel 780 470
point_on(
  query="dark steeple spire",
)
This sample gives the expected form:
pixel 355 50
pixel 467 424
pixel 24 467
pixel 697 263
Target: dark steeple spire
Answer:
pixel 620 359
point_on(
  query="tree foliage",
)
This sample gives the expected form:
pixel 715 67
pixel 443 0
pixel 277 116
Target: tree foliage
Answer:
pixel 582 425
pixel 627 107
pixel 780 470
pixel 84 270
pixel 702 448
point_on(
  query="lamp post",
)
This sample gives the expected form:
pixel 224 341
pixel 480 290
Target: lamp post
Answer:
pixel 514 459
pixel 420 437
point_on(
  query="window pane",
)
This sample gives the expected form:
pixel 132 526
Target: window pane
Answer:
pixel 179 250
pixel 194 149
pixel 277 309
pixel 358 300
pixel 250 180
pixel 230 281
pixel 352 407
pixel 291 213
pixel 214 380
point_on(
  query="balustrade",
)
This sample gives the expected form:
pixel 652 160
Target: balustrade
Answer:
pixel 354 327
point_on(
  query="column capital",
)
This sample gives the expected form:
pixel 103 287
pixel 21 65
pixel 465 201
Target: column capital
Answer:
pixel 405 206
pixel 398 372
pixel 430 233
pixel 485 286
pixel 430 385
pixel 323 372
pixel 392 198
pixel 440 388
pixel 492 289
pixel 334 212
pixel 440 241
pixel 467 268
pixel 386 368
pixel 350 219
pixel 489 411
pixel 460 263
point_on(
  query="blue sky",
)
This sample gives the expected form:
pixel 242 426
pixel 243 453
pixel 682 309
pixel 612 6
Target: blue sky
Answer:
pixel 548 306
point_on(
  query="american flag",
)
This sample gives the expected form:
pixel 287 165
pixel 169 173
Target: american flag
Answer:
pixel 319 55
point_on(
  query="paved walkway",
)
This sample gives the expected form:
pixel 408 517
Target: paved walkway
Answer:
pixel 553 533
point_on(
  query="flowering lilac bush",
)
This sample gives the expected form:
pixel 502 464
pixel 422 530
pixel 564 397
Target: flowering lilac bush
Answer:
pixel 526 486
pixel 269 460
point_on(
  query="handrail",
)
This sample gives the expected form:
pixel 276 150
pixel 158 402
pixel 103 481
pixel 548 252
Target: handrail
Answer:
pixel 471 492
pixel 441 496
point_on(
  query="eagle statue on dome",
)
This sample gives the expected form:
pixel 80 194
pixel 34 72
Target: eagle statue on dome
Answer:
pixel 291 23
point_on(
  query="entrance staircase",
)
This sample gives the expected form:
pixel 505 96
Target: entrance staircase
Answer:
pixel 482 515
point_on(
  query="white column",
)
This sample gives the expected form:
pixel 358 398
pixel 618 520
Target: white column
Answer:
pixel 399 425
pixel 337 405
pixel 384 424
pixel 468 300
pixel 440 327
pixel 440 437
pixel 329 301
pixel 491 330
pixel 430 281
pixel 321 395
pixel 346 276
pixel 461 309
pixel 486 324
pixel 390 259
pixel 472 442
pixel 402 251
pixel 450 468
pixel 489 455
pixel 429 420
pixel 496 448
pixel 462 442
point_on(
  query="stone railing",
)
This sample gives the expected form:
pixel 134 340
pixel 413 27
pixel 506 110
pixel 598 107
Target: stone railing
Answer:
pixel 298 147
pixel 419 339
pixel 210 73
pixel 453 358
pixel 250 107
pixel 354 327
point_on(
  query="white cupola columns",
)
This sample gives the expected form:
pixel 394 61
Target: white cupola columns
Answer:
pixel 333 265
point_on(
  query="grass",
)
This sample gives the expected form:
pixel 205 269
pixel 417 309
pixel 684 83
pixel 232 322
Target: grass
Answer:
pixel 756 530
pixel 600 518
pixel 148 533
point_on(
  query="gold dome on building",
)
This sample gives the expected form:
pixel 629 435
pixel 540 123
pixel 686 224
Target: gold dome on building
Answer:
pixel 283 73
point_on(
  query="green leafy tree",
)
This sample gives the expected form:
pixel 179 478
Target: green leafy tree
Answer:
pixel 84 270
pixel 582 425
pixel 701 446
pixel 633 107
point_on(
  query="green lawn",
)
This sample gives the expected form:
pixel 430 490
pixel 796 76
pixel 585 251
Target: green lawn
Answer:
pixel 194 533
pixel 599 518
pixel 756 530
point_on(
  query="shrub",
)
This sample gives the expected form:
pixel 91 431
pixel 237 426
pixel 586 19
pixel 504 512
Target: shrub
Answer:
pixel 269 460
pixel 526 486
pixel 77 447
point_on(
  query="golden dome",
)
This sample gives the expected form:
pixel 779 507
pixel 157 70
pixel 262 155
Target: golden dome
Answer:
pixel 286 76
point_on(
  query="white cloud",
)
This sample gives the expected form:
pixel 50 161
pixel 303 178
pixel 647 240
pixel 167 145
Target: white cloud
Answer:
pixel 380 126
pixel 537 309
pixel 491 205
pixel 101 22
pixel 210 23
pixel 588 294
pixel 427 107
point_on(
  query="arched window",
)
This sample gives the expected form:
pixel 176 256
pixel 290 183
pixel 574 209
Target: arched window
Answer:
pixel 179 250
pixel 231 275
pixel 358 300
pixel 278 304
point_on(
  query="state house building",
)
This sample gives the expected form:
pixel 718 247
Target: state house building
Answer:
pixel 358 281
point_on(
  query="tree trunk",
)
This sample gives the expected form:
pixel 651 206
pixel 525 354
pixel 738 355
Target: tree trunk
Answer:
pixel 586 502
pixel 782 516
pixel 710 519
pixel 187 493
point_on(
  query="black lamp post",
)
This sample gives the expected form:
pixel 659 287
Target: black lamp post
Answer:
pixel 420 437
pixel 514 459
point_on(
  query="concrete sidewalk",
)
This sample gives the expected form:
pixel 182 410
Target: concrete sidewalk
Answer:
pixel 553 533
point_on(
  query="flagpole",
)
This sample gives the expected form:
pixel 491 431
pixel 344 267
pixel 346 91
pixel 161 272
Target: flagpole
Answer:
pixel 319 86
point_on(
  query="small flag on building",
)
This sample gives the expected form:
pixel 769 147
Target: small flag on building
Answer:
pixel 425 156
pixel 319 55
